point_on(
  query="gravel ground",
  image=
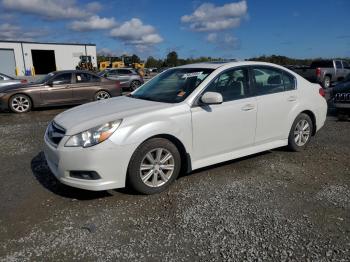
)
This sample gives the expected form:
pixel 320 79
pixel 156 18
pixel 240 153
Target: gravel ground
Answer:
pixel 274 206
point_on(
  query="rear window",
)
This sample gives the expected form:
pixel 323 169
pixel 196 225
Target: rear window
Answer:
pixel 322 63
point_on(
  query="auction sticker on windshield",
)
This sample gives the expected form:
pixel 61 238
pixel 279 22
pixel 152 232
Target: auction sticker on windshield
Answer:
pixel 194 74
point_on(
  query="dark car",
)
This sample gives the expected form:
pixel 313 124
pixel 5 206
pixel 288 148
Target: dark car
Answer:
pixel 341 98
pixel 58 88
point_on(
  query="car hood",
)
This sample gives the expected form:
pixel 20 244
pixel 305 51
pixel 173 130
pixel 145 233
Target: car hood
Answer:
pixel 90 115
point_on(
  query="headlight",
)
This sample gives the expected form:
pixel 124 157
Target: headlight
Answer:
pixel 94 135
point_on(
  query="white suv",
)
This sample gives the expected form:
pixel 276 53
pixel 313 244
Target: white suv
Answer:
pixel 186 118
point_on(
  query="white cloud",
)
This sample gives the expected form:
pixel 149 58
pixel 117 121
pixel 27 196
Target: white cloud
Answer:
pixel 93 23
pixel 15 32
pixel 208 17
pixel 134 32
pixel 94 7
pixel 212 37
pixel 50 9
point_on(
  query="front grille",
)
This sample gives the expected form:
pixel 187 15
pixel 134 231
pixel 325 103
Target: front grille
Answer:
pixel 342 97
pixel 55 133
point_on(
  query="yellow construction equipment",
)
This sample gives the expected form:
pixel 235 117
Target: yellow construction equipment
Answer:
pixel 118 64
pixel 104 65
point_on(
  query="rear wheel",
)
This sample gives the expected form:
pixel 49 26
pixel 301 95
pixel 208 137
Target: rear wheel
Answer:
pixel 102 95
pixel 300 133
pixel 20 103
pixel 135 84
pixel 154 166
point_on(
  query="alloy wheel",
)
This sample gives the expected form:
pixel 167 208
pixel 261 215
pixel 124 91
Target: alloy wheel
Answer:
pixel 157 167
pixel 102 95
pixel 302 132
pixel 20 104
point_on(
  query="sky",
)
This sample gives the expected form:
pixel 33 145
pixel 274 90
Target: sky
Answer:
pixel 229 29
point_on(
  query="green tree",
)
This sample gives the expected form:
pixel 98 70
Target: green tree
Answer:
pixel 172 59
pixel 135 59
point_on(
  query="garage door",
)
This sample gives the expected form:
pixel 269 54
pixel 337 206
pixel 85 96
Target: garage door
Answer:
pixel 7 62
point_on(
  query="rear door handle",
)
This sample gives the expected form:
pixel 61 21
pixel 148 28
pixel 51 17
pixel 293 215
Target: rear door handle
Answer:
pixel 292 98
pixel 248 107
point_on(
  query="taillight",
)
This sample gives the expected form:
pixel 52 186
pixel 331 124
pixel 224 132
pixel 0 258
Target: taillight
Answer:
pixel 117 84
pixel 322 92
pixel 318 72
pixel 23 81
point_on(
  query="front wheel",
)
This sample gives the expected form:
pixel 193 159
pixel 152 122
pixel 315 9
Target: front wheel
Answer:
pixel 154 166
pixel 300 133
pixel 20 103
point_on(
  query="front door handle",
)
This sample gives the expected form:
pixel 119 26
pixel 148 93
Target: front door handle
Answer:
pixel 248 107
pixel 292 98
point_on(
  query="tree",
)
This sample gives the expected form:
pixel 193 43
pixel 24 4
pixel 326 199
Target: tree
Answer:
pixel 152 62
pixel 135 59
pixel 172 59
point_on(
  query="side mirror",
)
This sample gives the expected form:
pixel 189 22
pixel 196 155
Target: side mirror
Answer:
pixel 211 98
pixel 50 83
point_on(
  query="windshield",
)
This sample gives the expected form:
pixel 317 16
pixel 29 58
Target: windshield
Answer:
pixel 44 79
pixel 172 86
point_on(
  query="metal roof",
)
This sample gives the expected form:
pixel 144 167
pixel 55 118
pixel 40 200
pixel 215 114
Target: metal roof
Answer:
pixel 45 43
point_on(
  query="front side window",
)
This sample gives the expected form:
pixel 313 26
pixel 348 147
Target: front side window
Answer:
pixel 62 79
pixel 232 84
pixel 268 80
pixel 173 85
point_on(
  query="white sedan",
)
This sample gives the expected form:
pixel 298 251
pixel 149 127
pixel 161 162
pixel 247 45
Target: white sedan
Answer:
pixel 185 118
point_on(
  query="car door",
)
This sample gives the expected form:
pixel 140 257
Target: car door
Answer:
pixel 58 89
pixel 85 86
pixel 124 77
pixel 275 99
pixel 223 128
pixel 340 72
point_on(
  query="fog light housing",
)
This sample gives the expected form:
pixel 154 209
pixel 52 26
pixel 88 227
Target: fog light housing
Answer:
pixel 86 175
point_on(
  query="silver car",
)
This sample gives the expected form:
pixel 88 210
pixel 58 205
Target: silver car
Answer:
pixel 129 79
pixel 6 80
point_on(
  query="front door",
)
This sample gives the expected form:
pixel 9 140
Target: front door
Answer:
pixel 58 90
pixel 221 129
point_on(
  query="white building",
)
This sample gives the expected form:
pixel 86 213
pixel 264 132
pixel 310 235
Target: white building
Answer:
pixel 21 58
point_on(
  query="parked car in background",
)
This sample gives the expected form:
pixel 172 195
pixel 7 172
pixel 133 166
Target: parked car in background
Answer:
pixel 6 80
pixel 129 79
pixel 58 88
pixel 341 98
pixel 324 71
pixel 183 119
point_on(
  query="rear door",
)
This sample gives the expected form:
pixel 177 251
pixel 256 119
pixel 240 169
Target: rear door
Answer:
pixel 58 90
pixel 224 128
pixel 276 95
pixel 339 71
pixel 85 86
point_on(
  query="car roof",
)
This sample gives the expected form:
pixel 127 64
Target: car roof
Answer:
pixel 216 65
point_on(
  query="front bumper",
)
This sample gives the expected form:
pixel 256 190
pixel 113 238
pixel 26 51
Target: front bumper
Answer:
pixel 109 160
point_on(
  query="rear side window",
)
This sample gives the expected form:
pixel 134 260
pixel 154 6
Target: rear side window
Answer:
pixel 345 64
pixel 94 78
pixel 268 80
pixel 124 72
pixel 82 77
pixel 288 81
pixel 338 64
pixel 232 84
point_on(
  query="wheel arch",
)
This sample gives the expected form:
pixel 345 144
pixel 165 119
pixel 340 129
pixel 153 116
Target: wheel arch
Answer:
pixel 313 119
pixel 186 164
pixel 21 93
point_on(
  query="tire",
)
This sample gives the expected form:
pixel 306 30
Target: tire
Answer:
pixel 20 104
pixel 134 84
pixel 154 176
pixel 102 95
pixel 326 82
pixel 298 141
